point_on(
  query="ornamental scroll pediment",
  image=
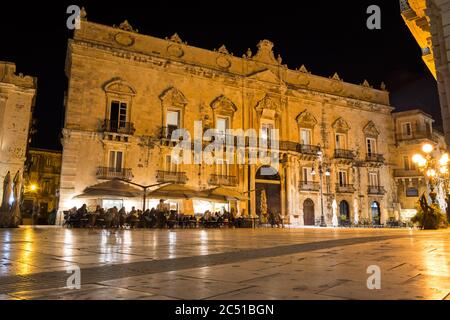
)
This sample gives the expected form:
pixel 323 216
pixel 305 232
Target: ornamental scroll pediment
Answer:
pixel 268 107
pixel 265 52
pixel 173 97
pixel 340 125
pixel 223 105
pixel 119 86
pixel 306 120
pixel 371 130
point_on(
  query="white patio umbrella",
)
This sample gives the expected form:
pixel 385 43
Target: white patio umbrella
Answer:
pixel 335 218
pixel 355 209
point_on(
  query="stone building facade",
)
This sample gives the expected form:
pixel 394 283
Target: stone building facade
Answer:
pixel 128 92
pixel 41 182
pixel 17 96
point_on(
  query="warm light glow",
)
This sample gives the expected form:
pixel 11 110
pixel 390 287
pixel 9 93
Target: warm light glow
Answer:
pixel 419 159
pixel 33 187
pixel 431 173
pixel 327 172
pixel 427 148
pixel 444 159
pixel 443 170
pixel 313 172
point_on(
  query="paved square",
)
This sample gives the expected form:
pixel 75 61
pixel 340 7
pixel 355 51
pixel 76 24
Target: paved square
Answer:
pixel 237 264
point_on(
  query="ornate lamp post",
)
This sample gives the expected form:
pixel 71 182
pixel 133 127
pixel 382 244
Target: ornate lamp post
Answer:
pixel 435 170
pixel 321 172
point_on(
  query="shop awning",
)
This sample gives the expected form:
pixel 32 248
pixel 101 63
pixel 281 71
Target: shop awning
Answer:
pixel 112 188
pixel 224 194
pixel 176 191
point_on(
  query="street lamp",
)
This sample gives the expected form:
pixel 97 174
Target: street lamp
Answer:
pixel 434 169
pixel 321 172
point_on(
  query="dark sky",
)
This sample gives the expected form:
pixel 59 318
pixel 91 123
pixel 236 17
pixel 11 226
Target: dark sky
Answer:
pixel 326 36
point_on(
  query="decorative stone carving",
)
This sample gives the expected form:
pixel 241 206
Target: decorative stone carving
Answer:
pixel 223 105
pixel 173 97
pixel 268 105
pixel 119 86
pixel 126 26
pixel 370 130
pixel 340 125
pixel 175 38
pixel 336 77
pixel 175 51
pixel 265 52
pixel 383 86
pixel 124 39
pixel 366 84
pixel 223 50
pixel 306 120
pixel 303 69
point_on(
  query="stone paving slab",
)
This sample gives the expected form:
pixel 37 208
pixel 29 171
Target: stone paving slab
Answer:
pixel 224 264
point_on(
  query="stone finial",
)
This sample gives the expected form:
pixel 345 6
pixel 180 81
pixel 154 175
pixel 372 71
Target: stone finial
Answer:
pixel 366 84
pixel 279 59
pixel 126 26
pixel 249 53
pixel 265 52
pixel 175 38
pixel 83 14
pixel 383 86
pixel 335 76
pixel 223 50
pixel 303 69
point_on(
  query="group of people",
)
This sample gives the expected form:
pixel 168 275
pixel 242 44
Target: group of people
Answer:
pixel 160 217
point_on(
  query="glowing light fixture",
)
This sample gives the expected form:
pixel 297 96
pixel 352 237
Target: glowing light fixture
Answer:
pixel 427 148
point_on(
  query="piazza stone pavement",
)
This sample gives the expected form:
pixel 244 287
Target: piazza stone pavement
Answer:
pixel 230 264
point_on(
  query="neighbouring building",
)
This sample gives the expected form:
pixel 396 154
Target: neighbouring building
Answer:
pixel 17 98
pixel 413 128
pixel 428 21
pixel 128 92
pixel 41 184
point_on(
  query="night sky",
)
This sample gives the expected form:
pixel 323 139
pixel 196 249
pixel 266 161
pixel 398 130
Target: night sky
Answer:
pixel 325 36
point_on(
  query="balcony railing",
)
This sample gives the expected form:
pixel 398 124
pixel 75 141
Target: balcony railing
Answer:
pixel 171 176
pixel 309 186
pixel 222 180
pixel 374 157
pixel 344 188
pixel 112 173
pixel 376 190
pixel 344 154
pixel 118 126
pixel 406 173
pixel 415 135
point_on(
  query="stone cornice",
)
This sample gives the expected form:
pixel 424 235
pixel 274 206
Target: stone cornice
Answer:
pixel 8 75
pixel 144 48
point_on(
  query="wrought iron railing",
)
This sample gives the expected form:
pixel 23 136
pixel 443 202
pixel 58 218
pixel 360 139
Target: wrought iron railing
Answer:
pixel 222 180
pixel 171 176
pixel 309 186
pixel 111 173
pixel 344 154
pixel 374 157
pixel 344 188
pixel 376 190
pixel 118 126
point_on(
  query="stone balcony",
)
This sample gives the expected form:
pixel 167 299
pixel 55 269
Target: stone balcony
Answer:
pixel 108 173
pixel 344 188
pixel 374 157
pixel 376 190
pixel 344 154
pixel 171 176
pixel 222 180
pixel 309 186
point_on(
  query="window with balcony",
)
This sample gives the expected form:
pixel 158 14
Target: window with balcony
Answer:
pixel 373 179
pixel 406 129
pixel 170 164
pixel 118 115
pixel 305 136
pixel 172 121
pixel 119 97
pixel 342 178
pixel 115 161
pixel 341 141
pixel 371 146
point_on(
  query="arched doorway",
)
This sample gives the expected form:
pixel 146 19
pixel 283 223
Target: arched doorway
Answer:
pixel 308 212
pixel 344 212
pixel 268 179
pixel 376 216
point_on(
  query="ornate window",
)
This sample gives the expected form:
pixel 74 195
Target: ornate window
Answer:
pixel 371 133
pixel 119 98
pixel 341 129
pixel 306 123
pixel 223 113
pixel 173 104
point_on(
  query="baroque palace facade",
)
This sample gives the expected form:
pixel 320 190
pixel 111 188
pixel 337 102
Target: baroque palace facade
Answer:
pixel 128 92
